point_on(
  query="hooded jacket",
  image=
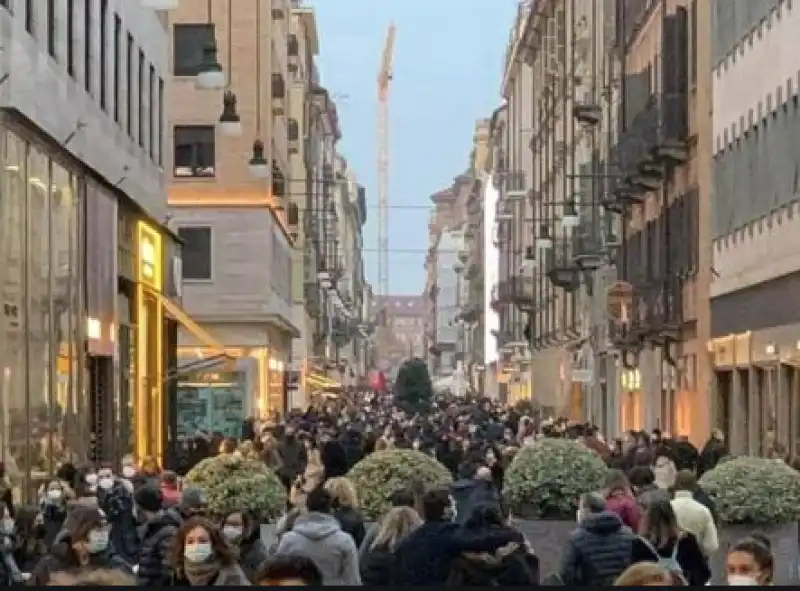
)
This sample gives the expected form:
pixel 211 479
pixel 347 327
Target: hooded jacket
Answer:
pixel 503 561
pixel 157 536
pixel 318 537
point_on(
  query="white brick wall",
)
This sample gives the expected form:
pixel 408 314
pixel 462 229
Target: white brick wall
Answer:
pixel 40 87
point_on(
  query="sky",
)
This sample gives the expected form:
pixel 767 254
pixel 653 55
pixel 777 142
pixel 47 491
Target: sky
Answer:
pixel 447 70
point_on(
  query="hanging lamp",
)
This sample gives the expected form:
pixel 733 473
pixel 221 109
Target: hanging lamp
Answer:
pixel 210 75
pixel 259 167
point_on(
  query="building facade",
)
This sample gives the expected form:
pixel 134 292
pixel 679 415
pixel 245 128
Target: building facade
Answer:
pixel 405 317
pixel 229 187
pixel 753 223
pixel 82 164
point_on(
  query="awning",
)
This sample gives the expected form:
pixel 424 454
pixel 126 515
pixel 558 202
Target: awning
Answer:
pixel 321 382
pixel 189 324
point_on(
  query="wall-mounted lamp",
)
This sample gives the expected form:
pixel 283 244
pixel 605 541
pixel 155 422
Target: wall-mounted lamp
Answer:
pixel 94 329
pixel 230 124
pixel 543 240
pixel 771 349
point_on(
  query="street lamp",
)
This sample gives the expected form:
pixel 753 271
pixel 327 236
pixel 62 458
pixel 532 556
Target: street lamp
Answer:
pixel 210 75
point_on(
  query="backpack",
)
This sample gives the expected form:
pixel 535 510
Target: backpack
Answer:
pixel 669 563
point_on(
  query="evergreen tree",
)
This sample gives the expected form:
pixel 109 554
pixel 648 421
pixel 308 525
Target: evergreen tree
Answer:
pixel 413 389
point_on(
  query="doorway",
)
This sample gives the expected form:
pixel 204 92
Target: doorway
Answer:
pixel 102 447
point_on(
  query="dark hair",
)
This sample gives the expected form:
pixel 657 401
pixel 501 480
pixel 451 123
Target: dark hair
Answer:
pixel 485 516
pixel 759 547
pixel 435 504
pixel 229 445
pixel 248 520
pixel 403 498
pixel 660 524
pixel 222 549
pixel 81 520
pixel 319 500
pixel 616 481
pixel 686 480
pixel 288 567
pixel 642 476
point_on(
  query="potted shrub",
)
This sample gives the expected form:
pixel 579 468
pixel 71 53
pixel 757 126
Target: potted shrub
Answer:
pixel 757 495
pixel 541 488
pixel 381 473
pixel 232 482
pixel 413 388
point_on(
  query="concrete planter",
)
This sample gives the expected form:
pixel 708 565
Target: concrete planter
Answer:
pixel 784 541
pixel 548 538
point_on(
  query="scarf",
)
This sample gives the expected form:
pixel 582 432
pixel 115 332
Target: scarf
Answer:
pixel 201 574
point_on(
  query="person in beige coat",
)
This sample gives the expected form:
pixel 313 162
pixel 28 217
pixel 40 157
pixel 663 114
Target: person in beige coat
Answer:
pixel 311 478
pixel 693 516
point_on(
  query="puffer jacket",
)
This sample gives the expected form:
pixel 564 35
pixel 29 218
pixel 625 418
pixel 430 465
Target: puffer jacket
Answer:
pixel 502 561
pixel 157 536
pixel 376 568
pixel 352 523
pixel 597 552
pixel 252 553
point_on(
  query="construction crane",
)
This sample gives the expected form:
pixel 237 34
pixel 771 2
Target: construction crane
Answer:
pixel 384 78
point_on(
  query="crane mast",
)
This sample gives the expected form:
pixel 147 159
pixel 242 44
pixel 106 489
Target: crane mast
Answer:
pixel 384 78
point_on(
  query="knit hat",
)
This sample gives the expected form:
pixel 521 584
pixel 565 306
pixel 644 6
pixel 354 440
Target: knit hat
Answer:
pixel 149 498
pixel 193 498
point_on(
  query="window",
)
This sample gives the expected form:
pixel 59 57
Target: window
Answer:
pixel 51 27
pixel 71 37
pixel 161 122
pixel 30 17
pixel 104 54
pixel 151 120
pixel 196 253
pixel 141 98
pixel 129 86
pixel 194 151
pixel 117 79
pixel 189 41
pixel 87 47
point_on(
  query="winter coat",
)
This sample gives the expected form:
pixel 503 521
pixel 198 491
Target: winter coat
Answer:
pixel 157 536
pixel 649 495
pixel 117 504
pixel 334 459
pixel 503 561
pixel 53 516
pixel 293 459
pixel 597 552
pixel 713 451
pixel 352 522
pixel 471 493
pixel 62 558
pixel 423 557
pixel 252 553
pixel 312 477
pixel 376 568
pixel 696 518
pixel 10 572
pixel 319 537
pixel 228 576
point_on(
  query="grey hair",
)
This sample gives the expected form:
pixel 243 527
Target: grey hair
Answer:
pixel 593 502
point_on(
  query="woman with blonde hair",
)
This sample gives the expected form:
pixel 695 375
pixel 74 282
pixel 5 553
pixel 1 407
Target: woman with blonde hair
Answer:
pixel 346 507
pixel 311 477
pixel 396 525
pixel 645 574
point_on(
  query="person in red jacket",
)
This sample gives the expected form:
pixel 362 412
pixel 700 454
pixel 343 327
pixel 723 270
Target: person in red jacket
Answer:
pixel 170 489
pixel 620 499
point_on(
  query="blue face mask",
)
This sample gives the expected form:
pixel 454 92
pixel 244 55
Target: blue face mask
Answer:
pixel 198 553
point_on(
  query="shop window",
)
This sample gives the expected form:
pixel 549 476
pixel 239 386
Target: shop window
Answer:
pixel 196 253
pixel 189 42
pixel 195 151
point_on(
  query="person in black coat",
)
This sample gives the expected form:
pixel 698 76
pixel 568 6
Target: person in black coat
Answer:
pixel 713 451
pixel 345 508
pixel 376 560
pixel 505 559
pixel 243 532
pixel 334 458
pixel 293 456
pixel 599 549
pixel 159 526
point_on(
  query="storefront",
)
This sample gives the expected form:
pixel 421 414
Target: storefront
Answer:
pixel 43 399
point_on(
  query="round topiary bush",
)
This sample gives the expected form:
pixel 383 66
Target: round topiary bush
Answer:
pixel 232 482
pixel 546 479
pixel 754 491
pixel 381 473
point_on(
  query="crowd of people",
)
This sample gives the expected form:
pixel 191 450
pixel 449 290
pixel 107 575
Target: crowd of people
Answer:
pixel 651 524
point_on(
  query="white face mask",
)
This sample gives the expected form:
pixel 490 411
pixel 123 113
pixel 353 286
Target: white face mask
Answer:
pixel 197 553
pixel 8 525
pixel 742 581
pixel 54 494
pixel 98 541
pixel 232 532
pixel 128 471
pixel 106 483
pixel 91 479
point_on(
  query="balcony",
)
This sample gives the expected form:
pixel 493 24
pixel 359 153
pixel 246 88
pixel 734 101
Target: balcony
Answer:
pixel 311 295
pixel 278 94
pixel 293 136
pixel 517 290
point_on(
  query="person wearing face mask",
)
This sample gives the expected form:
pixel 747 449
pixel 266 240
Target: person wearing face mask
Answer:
pixel 750 563
pixel 158 529
pixel 85 543
pixel 293 457
pixel 54 510
pixel 244 533
pixel 201 556
pixel 115 498
pixel 10 573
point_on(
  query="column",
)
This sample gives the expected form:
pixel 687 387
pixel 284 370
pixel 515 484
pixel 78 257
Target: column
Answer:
pixel 783 406
pixel 737 409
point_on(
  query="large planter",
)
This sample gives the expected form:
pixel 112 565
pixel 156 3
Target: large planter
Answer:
pixel 549 539
pixel 784 543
